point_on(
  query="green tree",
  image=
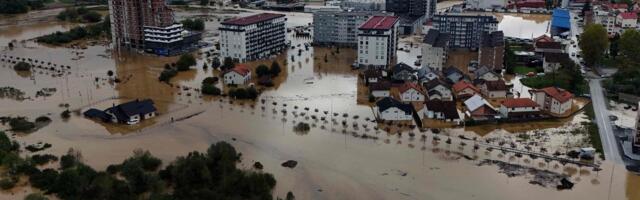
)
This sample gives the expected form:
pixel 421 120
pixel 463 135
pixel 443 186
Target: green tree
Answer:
pixel 614 46
pixel 215 63
pixel 262 70
pixel 275 68
pixel 630 46
pixel 36 196
pixel 593 43
pixel 210 89
pixel 509 58
pixel 228 63
pixel 204 2
pixel 185 62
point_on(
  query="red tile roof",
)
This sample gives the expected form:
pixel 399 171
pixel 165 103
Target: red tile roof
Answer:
pixel 519 103
pixel 410 85
pixel 242 21
pixel 544 38
pixel 461 85
pixel 380 22
pixel 240 69
pixel 617 5
pixel 558 94
pixel 629 15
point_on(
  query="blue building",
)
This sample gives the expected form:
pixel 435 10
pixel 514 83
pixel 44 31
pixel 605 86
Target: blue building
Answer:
pixel 560 22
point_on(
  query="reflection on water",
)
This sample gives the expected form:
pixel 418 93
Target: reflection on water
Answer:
pixel 336 161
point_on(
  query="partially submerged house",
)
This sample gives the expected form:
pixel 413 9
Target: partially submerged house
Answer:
pixel 438 89
pixel 411 92
pixel 553 99
pixel 132 112
pixel 479 109
pixel 380 89
pixel 494 89
pixel 390 109
pixel 441 110
pixel 238 75
pixel 519 108
pixel 463 90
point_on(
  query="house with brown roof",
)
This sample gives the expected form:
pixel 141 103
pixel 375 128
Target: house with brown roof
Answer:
pixel 438 89
pixel 494 89
pixel 463 90
pixel 380 89
pixel 411 92
pixel 519 108
pixel 239 75
pixel 373 75
pixel 553 99
pixel 441 110
pixel 546 44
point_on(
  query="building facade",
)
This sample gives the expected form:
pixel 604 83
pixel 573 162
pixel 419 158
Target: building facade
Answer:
pixel 253 37
pixel 553 100
pixel 129 17
pixel 434 49
pixel 377 41
pixel 465 30
pixel 339 27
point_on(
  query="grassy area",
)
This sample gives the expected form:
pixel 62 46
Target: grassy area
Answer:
pixel 566 79
pixel 591 129
pixel 524 70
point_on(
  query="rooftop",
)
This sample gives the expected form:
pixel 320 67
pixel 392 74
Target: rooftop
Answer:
pixel 461 85
pixel 436 39
pixel 629 15
pixel 388 102
pixel 380 23
pixel 448 108
pixel 240 69
pixel 493 39
pixel 243 21
pixel 519 103
pixel 559 94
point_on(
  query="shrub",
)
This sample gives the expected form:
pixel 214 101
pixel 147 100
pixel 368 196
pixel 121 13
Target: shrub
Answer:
pixel 275 68
pixel 22 66
pixel 36 196
pixel 262 70
pixel 43 159
pixel 185 62
pixel 210 89
pixel 65 114
pixel 8 183
pixel 21 124
pixel 193 25
pixel 167 74
pixel 210 80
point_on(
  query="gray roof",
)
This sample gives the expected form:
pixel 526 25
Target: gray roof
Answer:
pixel 436 39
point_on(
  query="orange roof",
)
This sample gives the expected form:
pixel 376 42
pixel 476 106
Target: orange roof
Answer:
pixel 404 87
pixel 461 85
pixel 240 69
pixel 543 38
pixel 519 103
pixel 558 94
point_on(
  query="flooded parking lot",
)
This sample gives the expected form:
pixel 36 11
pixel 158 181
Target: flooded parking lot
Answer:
pixel 356 161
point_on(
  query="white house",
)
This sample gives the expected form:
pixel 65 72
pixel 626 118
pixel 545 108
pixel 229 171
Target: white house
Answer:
pixel 464 90
pixel 380 89
pixel 487 74
pixel 411 92
pixel 552 99
pixel 438 89
pixel 132 112
pixel 377 41
pixel 627 20
pixel 494 89
pixel 239 75
pixel 393 110
pixel 521 107
pixel 434 49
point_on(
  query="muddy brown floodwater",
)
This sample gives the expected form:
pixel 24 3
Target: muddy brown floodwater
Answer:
pixel 355 161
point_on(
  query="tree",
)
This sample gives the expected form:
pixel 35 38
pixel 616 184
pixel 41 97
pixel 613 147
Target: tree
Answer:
pixel 614 46
pixel 22 66
pixel 210 89
pixel 215 63
pixel 275 68
pixel 630 46
pixel 185 62
pixel 593 43
pixel 110 73
pixel 509 58
pixel 204 2
pixel 262 70
pixel 210 81
pixel 228 63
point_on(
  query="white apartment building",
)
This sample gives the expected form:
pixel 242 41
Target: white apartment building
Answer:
pixel 253 37
pixel 377 41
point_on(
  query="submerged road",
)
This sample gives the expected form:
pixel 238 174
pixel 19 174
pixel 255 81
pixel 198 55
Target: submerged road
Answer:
pixel 605 128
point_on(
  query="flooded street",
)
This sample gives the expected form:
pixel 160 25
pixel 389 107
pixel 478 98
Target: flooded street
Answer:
pixel 335 161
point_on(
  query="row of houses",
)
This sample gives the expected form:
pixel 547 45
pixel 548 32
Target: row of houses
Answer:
pixel 615 17
pixel 426 90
